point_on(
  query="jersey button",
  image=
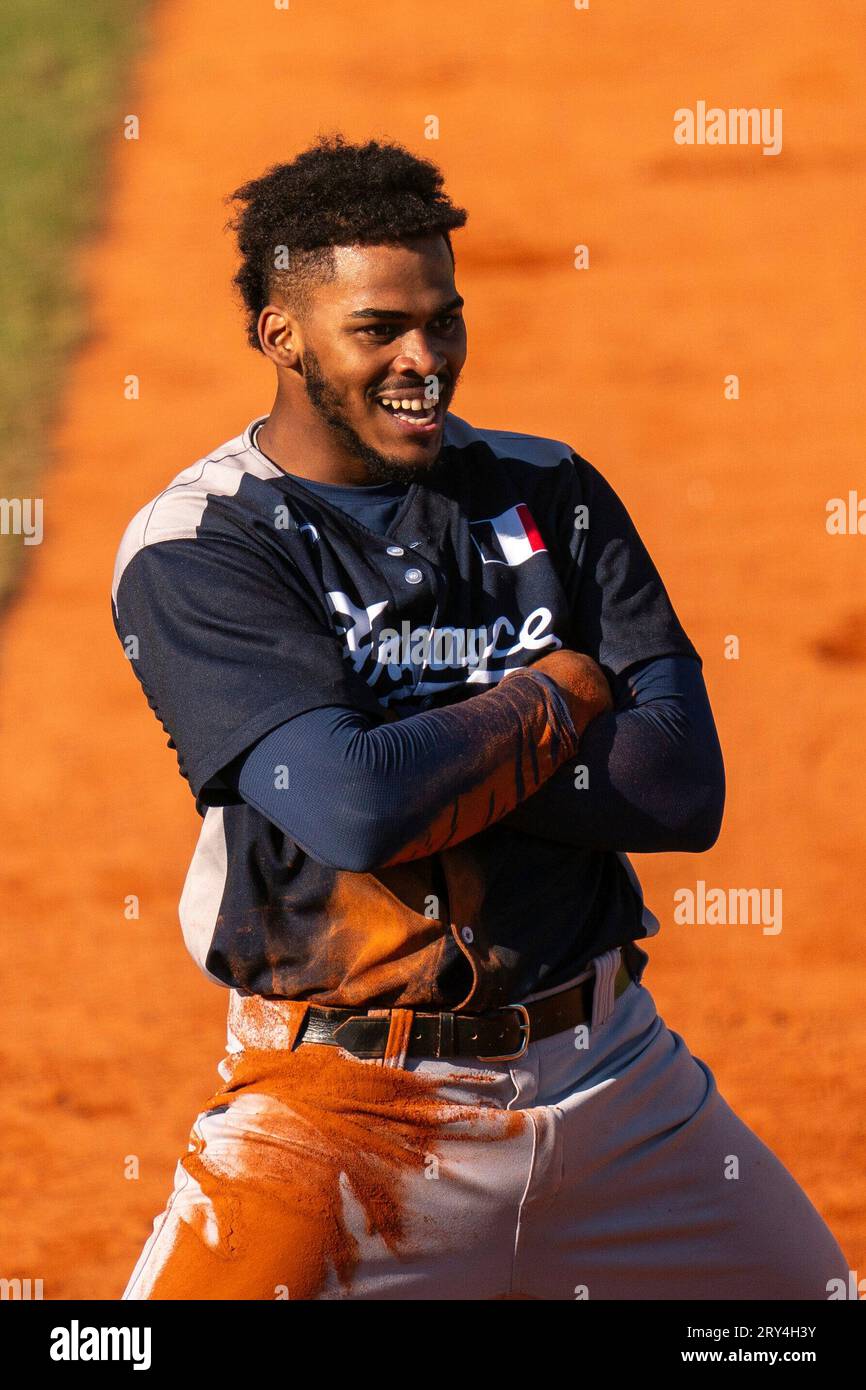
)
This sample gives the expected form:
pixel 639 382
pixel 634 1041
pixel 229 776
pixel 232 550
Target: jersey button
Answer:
pixel 468 935
pixel 414 576
pixel 394 550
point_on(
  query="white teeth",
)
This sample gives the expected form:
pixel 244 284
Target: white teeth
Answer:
pixel 419 411
pixel 416 404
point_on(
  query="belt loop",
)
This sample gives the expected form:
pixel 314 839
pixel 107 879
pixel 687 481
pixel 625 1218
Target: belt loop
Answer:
pixel 399 1029
pixel 398 1037
pixel 603 998
pixel 298 1010
pixel 445 1035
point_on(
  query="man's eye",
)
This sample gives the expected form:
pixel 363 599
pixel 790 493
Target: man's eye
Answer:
pixel 378 330
pixel 446 322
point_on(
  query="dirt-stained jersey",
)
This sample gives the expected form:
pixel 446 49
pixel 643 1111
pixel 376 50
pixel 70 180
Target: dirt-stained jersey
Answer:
pixel 243 598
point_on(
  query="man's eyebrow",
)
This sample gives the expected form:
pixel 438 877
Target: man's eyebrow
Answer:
pixel 394 314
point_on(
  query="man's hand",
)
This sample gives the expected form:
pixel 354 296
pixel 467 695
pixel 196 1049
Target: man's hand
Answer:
pixel 654 773
pixel 581 681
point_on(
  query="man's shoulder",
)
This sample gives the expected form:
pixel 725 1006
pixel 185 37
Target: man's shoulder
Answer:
pixel 533 449
pixel 178 511
pixel 552 471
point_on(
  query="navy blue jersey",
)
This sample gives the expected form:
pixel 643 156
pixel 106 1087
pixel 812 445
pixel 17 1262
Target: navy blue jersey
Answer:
pixel 244 598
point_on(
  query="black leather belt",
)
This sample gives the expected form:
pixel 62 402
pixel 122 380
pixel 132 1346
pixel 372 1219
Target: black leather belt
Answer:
pixel 502 1035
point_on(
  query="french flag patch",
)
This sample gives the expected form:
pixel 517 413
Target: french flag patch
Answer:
pixel 507 539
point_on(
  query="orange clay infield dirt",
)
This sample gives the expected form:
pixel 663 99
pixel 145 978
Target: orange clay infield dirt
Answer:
pixel 556 128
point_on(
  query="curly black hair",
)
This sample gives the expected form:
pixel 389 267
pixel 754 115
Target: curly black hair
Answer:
pixel 333 194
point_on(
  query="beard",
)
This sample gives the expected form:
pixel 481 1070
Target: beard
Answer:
pixel 379 468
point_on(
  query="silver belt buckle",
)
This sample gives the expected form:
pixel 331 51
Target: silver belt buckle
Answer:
pixel 525 1027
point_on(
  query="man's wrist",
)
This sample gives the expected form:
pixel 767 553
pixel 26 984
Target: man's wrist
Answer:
pixel 571 725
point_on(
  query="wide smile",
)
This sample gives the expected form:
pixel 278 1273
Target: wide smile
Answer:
pixel 411 412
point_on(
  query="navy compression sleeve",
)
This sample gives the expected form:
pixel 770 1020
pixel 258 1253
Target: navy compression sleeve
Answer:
pixel 356 795
pixel 655 777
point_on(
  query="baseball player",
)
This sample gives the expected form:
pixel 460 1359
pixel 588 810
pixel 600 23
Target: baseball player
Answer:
pixel 428 691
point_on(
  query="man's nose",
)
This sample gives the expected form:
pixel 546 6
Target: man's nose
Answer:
pixel 418 354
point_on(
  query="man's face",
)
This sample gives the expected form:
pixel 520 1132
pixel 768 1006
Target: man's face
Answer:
pixel 384 344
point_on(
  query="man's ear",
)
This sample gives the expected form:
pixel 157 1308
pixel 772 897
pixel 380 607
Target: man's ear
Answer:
pixel 281 337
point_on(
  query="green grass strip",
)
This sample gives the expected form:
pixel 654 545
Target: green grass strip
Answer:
pixel 64 68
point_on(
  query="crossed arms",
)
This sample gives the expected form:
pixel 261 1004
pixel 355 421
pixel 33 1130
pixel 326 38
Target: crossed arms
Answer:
pixel 553 751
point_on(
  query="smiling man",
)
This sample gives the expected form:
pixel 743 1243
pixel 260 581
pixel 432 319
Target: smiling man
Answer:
pixel 428 690
pixel 387 430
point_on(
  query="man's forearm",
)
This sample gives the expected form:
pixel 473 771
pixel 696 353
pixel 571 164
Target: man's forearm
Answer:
pixel 359 797
pixel 647 778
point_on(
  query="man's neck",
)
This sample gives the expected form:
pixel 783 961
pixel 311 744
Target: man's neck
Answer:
pixel 306 447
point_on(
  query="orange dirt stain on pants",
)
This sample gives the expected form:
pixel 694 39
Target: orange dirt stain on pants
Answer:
pixel 267 1207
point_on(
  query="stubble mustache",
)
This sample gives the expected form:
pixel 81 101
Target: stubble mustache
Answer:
pixel 380 468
